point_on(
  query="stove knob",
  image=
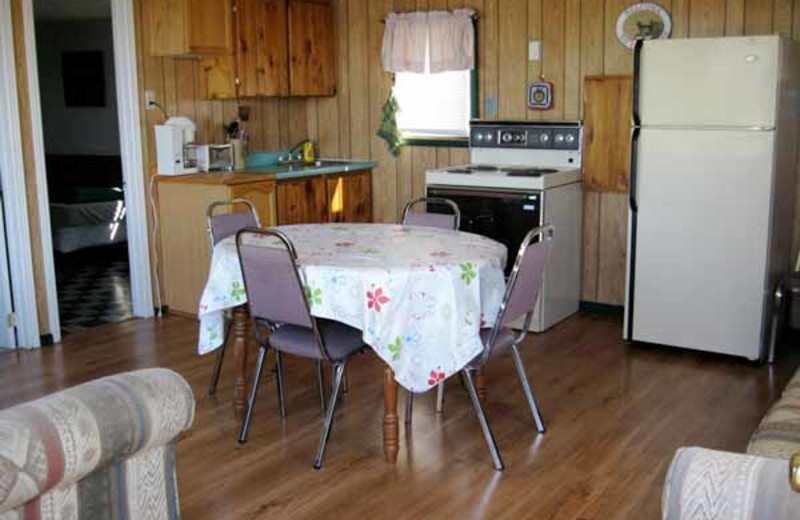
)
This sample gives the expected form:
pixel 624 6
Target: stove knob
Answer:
pixel 544 138
pixel 519 138
pixel 570 138
pixel 489 136
pixel 507 137
pixel 559 138
pixel 479 137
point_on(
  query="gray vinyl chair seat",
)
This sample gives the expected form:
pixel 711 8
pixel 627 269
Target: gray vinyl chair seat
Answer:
pixel 341 340
pixel 505 338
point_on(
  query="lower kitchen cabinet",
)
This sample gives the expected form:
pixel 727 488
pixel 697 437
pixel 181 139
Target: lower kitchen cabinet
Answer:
pixel 183 200
pixel 350 197
pixel 185 250
pixel 337 197
pixel 302 201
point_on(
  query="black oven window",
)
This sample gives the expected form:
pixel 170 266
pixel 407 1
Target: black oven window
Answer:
pixel 84 80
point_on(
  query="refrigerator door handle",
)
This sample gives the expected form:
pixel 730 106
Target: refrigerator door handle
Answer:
pixel 634 169
pixel 637 65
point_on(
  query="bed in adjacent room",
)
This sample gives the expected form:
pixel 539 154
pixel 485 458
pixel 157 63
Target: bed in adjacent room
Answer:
pixel 87 206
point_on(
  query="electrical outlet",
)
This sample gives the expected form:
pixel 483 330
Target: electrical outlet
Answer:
pixel 150 99
pixel 534 50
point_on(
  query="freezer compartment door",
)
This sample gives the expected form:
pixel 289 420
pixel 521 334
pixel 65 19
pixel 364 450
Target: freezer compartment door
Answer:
pixel 701 239
pixel 709 82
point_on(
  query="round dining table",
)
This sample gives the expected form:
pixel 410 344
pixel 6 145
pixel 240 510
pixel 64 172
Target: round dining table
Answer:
pixel 420 296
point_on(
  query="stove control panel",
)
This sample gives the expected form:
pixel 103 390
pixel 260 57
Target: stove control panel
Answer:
pixel 537 136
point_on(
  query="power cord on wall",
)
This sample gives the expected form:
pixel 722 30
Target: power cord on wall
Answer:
pixel 160 308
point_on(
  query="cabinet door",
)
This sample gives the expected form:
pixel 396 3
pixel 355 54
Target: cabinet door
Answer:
pixel 302 201
pixel 312 60
pixel 350 197
pixel 218 78
pixel 211 26
pixel 167 26
pixel 262 61
pixel 262 195
pixel 606 133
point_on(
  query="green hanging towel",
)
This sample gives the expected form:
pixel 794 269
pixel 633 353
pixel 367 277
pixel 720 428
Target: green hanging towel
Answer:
pixel 388 130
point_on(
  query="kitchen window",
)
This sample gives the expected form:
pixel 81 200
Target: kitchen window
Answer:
pixel 436 106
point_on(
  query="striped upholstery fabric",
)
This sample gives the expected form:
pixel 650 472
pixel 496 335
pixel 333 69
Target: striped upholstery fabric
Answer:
pixel 714 485
pixel 778 435
pixel 105 449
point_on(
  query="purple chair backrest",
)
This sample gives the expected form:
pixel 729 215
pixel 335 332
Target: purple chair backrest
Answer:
pixel 272 282
pixel 434 220
pixel 226 225
pixel 525 282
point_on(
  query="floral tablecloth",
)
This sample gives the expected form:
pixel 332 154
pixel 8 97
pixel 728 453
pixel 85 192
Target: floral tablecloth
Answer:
pixel 420 295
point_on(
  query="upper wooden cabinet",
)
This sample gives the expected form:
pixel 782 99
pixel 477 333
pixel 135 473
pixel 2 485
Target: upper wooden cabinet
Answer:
pixel 312 70
pixel 190 27
pixel 282 48
pixel 606 133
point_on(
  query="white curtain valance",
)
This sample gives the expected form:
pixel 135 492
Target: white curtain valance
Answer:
pixel 442 40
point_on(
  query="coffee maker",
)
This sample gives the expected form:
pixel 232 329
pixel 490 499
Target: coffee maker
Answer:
pixel 175 147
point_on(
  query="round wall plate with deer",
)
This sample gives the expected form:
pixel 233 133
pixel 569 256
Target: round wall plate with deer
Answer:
pixel 643 21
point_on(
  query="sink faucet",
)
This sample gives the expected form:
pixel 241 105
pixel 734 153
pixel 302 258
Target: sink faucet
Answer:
pixel 295 153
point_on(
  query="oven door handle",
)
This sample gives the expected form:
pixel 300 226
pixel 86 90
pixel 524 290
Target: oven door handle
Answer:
pixel 510 195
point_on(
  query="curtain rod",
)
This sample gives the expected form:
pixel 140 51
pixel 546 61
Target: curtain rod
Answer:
pixel 474 17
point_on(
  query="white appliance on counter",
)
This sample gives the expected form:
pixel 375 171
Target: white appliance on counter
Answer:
pixel 712 190
pixel 523 174
pixel 175 148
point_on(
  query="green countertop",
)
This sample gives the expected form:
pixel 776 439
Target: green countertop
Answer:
pixel 282 171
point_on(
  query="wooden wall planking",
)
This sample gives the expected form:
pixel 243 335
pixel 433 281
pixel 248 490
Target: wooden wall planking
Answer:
pixel 578 39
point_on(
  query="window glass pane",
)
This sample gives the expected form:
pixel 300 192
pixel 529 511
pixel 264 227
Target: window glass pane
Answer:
pixel 436 104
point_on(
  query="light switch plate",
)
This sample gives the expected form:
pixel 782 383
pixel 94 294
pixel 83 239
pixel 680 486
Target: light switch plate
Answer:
pixel 534 50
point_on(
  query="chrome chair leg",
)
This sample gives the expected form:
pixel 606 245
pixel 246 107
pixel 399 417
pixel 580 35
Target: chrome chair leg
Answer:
pixel 279 378
pixel 440 397
pixel 326 427
pixel 487 431
pixel 321 387
pixel 778 303
pixel 526 387
pixel 212 389
pixel 409 408
pixel 262 353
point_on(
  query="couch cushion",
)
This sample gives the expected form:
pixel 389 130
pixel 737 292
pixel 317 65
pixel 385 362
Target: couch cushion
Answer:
pixel 778 435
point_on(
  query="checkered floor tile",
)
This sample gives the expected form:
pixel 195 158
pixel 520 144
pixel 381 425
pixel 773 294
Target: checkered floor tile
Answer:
pixel 93 287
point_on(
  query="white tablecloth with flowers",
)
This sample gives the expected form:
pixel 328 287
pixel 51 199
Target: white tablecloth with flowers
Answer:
pixel 420 295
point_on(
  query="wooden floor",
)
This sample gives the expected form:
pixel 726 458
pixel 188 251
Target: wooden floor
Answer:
pixel 616 414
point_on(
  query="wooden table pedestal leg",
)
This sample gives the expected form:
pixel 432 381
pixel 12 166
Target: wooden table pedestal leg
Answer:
pixel 241 340
pixel 390 426
pixel 480 385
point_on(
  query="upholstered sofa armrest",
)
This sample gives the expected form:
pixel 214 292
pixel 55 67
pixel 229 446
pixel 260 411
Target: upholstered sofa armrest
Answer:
pixel 59 439
pixel 703 484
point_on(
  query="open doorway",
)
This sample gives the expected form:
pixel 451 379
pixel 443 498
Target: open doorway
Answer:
pixel 75 62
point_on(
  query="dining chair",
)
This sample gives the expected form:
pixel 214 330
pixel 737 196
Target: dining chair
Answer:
pixel 435 220
pixel 522 291
pixel 278 303
pixel 427 219
pixel 219 227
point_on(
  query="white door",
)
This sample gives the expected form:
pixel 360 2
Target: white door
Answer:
pixel 701 239
pixel 8 335
pixel 710 82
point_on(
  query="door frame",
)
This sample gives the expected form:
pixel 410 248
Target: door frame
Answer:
pixel 130 135
pixel 22 295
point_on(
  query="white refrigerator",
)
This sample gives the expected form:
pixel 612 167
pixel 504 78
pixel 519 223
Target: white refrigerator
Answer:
pixel 712 190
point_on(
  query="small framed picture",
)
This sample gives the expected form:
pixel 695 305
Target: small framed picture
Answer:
pixel 540 95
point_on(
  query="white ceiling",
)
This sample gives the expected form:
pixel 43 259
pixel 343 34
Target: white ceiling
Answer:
pixel 72 9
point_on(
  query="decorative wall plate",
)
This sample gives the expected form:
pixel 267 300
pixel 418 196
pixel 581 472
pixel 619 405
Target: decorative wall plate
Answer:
pixel 540 95
pixel 643 21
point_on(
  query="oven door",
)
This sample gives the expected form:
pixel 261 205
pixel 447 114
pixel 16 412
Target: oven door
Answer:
pixel 505 216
